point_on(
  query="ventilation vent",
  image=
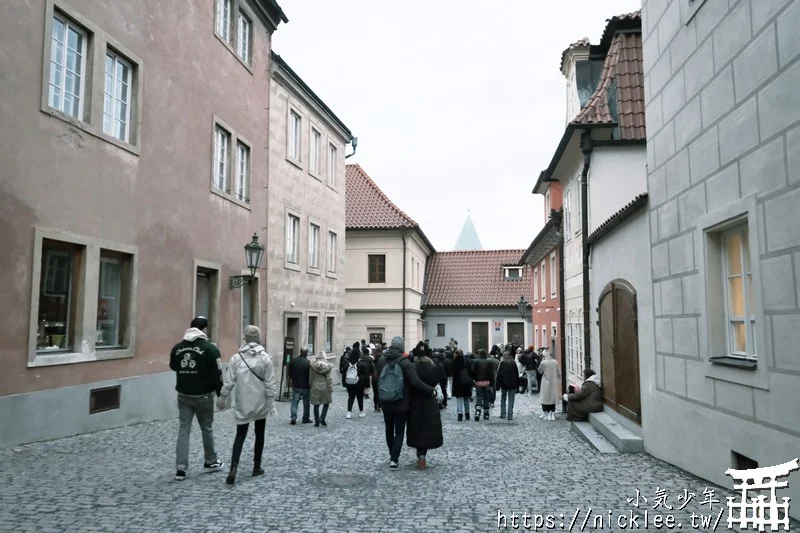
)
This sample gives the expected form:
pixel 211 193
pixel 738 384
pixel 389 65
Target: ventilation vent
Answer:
pixel 104 399
pixel 741 462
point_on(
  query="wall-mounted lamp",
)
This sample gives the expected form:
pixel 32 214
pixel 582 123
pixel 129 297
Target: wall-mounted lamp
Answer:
pixel 524 308
pixel 254 253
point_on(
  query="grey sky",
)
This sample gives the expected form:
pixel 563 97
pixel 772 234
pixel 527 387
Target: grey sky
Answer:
pixel 457 104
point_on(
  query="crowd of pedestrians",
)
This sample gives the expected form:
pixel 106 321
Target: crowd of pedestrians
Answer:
pixel 410 389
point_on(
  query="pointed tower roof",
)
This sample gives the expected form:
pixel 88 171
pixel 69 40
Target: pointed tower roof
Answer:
pixel 468 238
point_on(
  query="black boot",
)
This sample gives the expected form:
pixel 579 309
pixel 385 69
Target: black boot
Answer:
pixel 466 416
pixel 231 479
pixel 257 470
pixel 460 418
pixel 477 414
pixel 486 415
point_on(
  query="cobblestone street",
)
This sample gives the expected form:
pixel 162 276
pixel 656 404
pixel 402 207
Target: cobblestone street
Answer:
pixel 334 479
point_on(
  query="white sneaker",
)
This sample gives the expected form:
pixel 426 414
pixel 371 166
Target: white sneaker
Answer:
pixel 361 414
pixel 551 416
pixel 541 416
pixel 349 415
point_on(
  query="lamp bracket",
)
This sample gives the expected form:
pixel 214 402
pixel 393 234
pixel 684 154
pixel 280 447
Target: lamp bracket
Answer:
pixel 239 281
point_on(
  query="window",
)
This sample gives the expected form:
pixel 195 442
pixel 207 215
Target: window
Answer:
pixel 332 160
pixel 292 239
pixel 111 299
pixel 419 276
pixel 294 135
pixel 547 207
pixel 313 246
pixel 536 286
pixel 554 330
pixel 242 172
pixel 514 273
pixel 316 144
pixel 544 337
pixel 312 335
pixel 440 330
pixel 553 275
pixel 67 67
pixel 568 348
pixel 332 243
pixel 117 97
pixel 577 223
pixel 206 297
pixel 377 268
pixel 329 323
pixel 243 37
pixel 223 19
pixel 536 334
pixel 738 289
pixel 579 350
pixel 222 141
pixel 567 214
pixel 543 281
pixel 57 295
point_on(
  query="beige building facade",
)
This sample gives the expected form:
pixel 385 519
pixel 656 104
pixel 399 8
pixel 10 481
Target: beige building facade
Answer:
pixel 134 172
pixel 305 256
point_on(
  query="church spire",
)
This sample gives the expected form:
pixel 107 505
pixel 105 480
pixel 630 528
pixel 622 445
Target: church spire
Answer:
pixel 468 238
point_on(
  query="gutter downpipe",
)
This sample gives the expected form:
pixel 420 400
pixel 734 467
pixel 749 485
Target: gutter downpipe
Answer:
pixel 403 334
pixel 586 148
pixel 562 315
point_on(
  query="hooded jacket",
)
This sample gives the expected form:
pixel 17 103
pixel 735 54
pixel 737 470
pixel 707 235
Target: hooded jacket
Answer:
pixel 254 397
pixel 197 365
pixel 589 399
pixel 394 354
pixel 321 380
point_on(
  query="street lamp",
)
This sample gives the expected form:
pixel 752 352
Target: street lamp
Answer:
pixel 254 253
pixel 523 307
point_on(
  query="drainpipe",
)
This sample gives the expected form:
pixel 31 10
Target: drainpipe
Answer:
pixel 562 315
pixel 354 143
pixel 586 148
pixel 403 334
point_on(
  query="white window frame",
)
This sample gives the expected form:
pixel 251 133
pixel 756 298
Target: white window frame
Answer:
pixel 295 136
pixel 223 20
pixel 553 275
pixel 117 297
pixel 536 334
pixel 333 252
pixel 547 207
pixel 443 329
pixel 312 331
pixel 543 280
pixel 293 239
pixel 314 232
pixel 568 214
pixel 330 333
pixel 315 147
pixel 242 192
pixel 81 97
pixel 333 158
pixel 507 273
pixel 579 350
pixel 748 319
pixel 577 223
pixel 569 344
pixel 244 36
pixel 221 169
pixel 117 59
pixel 536 286
pixel 544 337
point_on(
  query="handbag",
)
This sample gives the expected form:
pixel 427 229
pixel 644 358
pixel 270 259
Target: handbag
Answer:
pixel 439 394
pixel 251 368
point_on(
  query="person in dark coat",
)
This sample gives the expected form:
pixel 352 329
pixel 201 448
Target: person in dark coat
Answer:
pixel 366 367
pixel 355 391
pixel 587 400
pixel 462 384
pixel 424 423
pixel 395 413
pixel 483 372
pixel 438 359
pixel 343 363
pixel 299 370
pixel 507 381
pixel 495 361
pixel 376 354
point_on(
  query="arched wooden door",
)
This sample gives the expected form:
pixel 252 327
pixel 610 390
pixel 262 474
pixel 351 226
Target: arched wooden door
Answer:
pixel 619 349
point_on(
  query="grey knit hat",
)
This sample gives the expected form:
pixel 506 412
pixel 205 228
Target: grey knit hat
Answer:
pixel 252 334
pixel 399 343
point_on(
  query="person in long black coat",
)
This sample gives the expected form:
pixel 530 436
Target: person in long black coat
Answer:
pixel 462 384
pixel 424 430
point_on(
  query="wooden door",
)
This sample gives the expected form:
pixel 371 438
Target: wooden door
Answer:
pixel 480 336
pixel 619 349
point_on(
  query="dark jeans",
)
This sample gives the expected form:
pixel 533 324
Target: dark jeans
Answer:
pixel 443 386
pixel 306 395
pixel 375 401
pixel 355 392
pixel 483 396
pixel 241 434
pixel 317 417
pixel 395 432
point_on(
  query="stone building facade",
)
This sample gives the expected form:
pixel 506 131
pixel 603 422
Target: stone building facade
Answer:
pixel 306 219
pixel 133 175
pixel 723 138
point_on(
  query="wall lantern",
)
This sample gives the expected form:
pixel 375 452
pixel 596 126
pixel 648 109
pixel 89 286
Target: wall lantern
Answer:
pixel 254 253
pixel 524 308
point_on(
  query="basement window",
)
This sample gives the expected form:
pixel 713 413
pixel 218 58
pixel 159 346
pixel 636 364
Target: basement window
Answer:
pixel 512 273
pixel 105 399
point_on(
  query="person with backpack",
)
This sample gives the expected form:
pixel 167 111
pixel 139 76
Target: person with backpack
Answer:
pixel 424 430
pixel 343 363
pixel 353 382
pixel 507 380
pixel 397 376
pixel 251 377
pixel 299 374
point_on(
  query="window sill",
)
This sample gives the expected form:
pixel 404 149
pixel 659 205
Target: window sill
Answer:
pixel 230 48
pixel 692 8
pixel 295 162
pixel 314 271
pixel 734 362
pixel 41 359
pixel 333 188
pixel 88 128
pixel 230 198
pixel 332 275
pixel 291 266
pixel 316 175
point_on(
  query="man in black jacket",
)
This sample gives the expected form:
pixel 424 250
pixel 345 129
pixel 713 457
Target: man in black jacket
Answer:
pixel 507 380
pixel 198 375
pixel 530 361
pixel 483 373
pixel 299 370
pixel 395 413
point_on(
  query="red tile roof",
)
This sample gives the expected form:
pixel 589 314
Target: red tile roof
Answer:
pixel 623 68
pixel 580 43
pixel 367 207
pixel 474 279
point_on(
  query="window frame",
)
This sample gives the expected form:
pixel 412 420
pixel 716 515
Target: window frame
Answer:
pixel 376 267
pixel 118 58
pixel 332 158
pixel 294 253
pixel 228 35
pixel 748 319
pixel 241 15
pixel 553 277
pixel 536 285
pixel 245 196
pixel 568 214
pixel 231 192
pixel 313 254
pixel 86 290
pixel 507 273
pixel 713 340
pixel 220 158
pixel 291 137
pixel 312 333
pixel 85 52
pixel 440 329
pixel 330 333
pixel 314 156
pixel 543 280
pixel 332 254
pixel 547 207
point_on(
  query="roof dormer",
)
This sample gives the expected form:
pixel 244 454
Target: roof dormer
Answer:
pixel 512 273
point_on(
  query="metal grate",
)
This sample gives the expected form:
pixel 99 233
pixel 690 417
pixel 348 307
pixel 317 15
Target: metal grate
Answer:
pixel 104 399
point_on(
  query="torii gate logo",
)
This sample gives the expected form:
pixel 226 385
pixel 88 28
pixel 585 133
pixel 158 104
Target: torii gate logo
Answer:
pixel 759 512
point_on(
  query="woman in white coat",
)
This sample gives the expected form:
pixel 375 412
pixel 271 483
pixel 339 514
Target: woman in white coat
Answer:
pixel 251 377
pixel 551 379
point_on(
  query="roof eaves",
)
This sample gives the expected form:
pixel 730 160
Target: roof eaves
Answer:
pixel 550 226
pixel 617 218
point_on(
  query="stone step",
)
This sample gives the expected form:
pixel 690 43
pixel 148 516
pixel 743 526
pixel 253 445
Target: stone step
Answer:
pixel 588 433
pixel 621 437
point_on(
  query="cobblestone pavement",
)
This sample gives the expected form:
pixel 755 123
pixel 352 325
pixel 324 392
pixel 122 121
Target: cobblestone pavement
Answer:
pixel 337 479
